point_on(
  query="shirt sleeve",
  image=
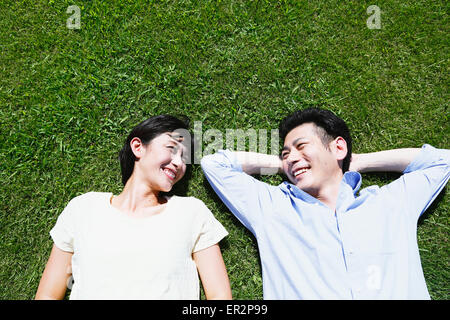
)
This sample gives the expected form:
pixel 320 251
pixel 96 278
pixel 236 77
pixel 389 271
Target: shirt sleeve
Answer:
pixel 422 180
pixel 211 230
pixel 240 192
pixel 63 231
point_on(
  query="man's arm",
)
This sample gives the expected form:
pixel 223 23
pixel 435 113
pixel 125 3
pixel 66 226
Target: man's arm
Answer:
pixel 258 163
pixel 396 160
pixel 426 171
pixel 229 175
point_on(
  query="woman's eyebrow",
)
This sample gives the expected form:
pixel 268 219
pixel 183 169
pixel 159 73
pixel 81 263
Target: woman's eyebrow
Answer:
pixel 176 137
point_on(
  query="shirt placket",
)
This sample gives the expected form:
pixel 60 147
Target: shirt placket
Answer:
pixel 349 245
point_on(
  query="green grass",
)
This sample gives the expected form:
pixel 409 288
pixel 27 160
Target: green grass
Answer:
pixel 69 97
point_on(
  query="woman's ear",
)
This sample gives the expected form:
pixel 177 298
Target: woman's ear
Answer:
pixel 137 147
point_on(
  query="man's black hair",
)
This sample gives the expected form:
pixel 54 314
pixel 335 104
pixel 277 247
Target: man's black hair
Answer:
pixel 332 126
pixel 147 130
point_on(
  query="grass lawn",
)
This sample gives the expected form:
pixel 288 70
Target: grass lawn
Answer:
pixel 68 98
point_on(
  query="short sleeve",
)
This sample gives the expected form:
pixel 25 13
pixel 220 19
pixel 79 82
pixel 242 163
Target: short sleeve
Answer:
pixel 210 232
pixel 63 231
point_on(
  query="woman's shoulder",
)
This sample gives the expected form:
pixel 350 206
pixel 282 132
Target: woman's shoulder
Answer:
pixel 191 205
pixel 90 198
pixel 187 201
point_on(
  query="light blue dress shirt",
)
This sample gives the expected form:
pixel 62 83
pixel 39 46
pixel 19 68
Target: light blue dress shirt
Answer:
pixel 366 249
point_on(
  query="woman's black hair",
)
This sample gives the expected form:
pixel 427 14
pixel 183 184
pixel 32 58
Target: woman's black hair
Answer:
pixel 332 126
pixel 146 131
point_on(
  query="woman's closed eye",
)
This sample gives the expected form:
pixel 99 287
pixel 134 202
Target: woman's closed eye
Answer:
pixel 172 147
pixel 174 150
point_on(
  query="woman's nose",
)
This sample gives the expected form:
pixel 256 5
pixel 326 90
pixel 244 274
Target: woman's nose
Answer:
pixel 177 159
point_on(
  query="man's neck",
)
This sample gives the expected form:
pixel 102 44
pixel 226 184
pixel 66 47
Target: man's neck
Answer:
pixel 328 193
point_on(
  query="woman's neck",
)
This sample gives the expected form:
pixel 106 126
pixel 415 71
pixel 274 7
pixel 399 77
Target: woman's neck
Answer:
pixel 136 197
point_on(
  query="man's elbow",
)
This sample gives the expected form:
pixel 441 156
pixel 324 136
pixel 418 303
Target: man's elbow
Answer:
pixel 205 161
pixel 210 161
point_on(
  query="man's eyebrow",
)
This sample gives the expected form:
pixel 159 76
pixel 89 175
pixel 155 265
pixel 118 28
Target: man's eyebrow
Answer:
pixel 293 143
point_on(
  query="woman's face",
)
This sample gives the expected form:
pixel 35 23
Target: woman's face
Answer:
pixel 162 162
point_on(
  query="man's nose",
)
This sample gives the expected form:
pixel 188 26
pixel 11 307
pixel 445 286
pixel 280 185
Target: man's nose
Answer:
pixel 293 156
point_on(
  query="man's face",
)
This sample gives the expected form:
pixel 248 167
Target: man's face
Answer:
pixel 307 162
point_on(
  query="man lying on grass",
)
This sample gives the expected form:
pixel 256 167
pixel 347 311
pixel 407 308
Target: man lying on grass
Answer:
pixel 318 237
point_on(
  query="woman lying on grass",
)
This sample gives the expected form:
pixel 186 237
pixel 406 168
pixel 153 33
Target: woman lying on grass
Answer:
pixel 139 244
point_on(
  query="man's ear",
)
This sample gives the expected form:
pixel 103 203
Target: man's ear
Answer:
pixel 340 148
pixel 137 147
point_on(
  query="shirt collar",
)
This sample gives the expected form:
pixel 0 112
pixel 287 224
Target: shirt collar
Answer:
pixel 296 192
pixel 353 179
pixel 350 179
